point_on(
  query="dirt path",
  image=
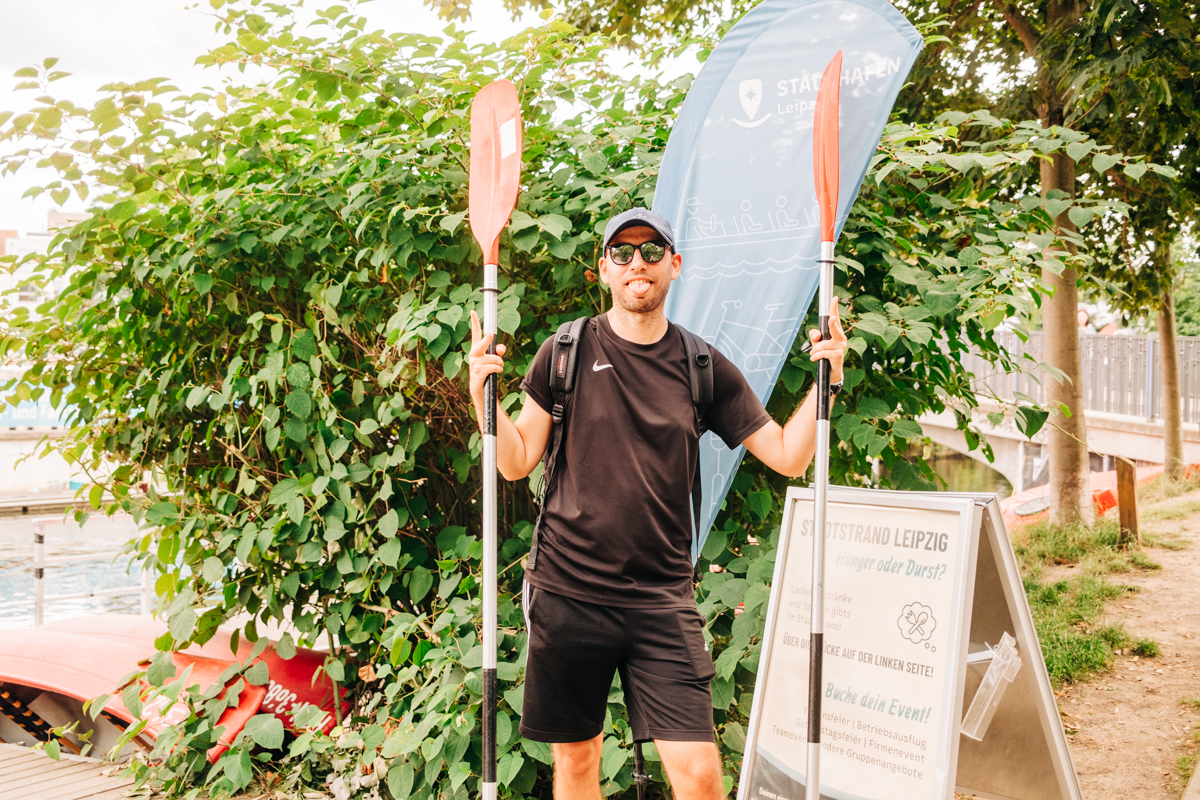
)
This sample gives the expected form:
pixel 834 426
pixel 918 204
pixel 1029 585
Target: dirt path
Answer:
pixel 1131 724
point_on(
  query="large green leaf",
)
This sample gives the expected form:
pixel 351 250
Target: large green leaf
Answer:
pixel 731 592
pixel 182 623
pixel 509 767
pixel 420 582
pixel 400 781
pixel 236 766
pixel 266 730
pixel 612 758
pixel 727 662
pixel 299 402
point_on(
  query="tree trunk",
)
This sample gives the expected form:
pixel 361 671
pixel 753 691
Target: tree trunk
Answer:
pixel 1070 470
pixel 1069 467
pixel 1172 415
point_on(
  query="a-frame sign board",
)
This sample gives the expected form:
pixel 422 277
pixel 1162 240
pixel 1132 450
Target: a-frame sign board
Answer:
pixel 920 588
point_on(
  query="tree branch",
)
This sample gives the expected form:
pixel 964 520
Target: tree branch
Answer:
pixel 1024 29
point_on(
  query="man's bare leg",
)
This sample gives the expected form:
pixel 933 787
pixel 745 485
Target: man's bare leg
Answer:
pixel 577 769
pixel 694 769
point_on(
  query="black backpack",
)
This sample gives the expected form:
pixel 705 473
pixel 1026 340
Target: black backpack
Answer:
pixel 563 355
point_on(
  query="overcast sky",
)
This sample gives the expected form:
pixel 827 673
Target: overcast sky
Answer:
pixel 99 41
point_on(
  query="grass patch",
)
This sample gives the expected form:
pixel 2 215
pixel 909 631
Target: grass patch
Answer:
pixel 1146 648
pixel 1164 541
pixel 1095 547
pixel 1067 611
pixel 1065 614
pixel 1142 561
pixel 1044 543
pixel 1163 488
pixel 1185 765
pixel 1168 512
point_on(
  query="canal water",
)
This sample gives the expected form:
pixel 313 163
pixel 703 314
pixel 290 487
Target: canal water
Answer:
pixel 965 474
pixel 65 538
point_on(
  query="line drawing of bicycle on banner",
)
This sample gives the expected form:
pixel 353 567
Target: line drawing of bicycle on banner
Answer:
pixel 753 348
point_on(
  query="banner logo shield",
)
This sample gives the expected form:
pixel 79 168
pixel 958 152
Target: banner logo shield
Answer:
pixel 750 93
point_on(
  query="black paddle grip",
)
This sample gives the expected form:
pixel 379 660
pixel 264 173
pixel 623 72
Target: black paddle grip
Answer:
pixel 823 375
pixel 816 654
pixel 489 402
pixel 489 726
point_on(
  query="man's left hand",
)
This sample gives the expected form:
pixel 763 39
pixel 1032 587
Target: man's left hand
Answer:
pixel 833 348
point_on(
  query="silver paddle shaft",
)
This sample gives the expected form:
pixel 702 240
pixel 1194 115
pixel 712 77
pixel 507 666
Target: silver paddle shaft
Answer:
pixel 816 639
pixel 490 290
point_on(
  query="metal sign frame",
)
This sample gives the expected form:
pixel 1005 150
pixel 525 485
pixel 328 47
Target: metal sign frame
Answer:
pixel 1027 756
pixel 1025 753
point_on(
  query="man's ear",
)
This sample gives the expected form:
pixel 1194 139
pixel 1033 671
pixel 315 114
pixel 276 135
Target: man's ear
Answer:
pixel 676 265
pixel 604 270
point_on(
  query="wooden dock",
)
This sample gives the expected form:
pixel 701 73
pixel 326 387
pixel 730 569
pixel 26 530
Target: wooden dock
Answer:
pixel 32 775
pixel 38 504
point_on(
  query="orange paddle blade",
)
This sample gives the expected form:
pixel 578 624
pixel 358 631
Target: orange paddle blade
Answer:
pixel 825 145
pixel 495 163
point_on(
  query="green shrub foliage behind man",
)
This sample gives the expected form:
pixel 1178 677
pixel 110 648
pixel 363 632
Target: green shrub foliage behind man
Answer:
pixel 262 330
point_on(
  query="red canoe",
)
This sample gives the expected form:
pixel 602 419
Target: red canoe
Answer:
pixel 1031 505
pixel 78 667
pixel 293 683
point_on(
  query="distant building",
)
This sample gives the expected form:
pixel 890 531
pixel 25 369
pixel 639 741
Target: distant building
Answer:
pixel 14 244
pixel 22 427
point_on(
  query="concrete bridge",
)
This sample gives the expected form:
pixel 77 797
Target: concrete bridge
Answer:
pixel 1122 383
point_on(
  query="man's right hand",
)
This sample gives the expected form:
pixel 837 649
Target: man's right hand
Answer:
pixel 482 363
pixel 520 444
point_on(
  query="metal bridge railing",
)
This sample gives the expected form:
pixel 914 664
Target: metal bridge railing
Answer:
pixel 1121 374
pixel 41 561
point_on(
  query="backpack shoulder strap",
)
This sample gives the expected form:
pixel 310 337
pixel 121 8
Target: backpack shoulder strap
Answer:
pixel 700 374
pixel 564 354
pixel 700 378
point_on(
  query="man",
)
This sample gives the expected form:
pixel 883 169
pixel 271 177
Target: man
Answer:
pixel 612 587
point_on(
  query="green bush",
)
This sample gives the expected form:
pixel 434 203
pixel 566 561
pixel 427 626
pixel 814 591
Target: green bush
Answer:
pixel 261 330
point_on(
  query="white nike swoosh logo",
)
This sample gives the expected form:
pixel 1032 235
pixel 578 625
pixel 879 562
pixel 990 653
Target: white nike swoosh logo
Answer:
pixel 598 366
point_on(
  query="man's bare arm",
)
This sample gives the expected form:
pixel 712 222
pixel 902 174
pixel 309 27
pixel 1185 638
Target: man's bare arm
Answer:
pixel 520 444
pixel 788 449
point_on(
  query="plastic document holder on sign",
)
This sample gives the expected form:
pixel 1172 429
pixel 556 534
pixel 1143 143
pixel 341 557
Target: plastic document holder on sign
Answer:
pixel 1005 662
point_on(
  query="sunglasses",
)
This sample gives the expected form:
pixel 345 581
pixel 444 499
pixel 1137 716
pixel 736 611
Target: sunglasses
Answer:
pixel 622 254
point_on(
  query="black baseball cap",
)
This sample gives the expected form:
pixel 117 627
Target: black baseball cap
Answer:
pixel 639 217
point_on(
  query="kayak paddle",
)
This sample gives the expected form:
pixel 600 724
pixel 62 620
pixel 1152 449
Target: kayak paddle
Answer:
pixel 825 155
pixel 494 179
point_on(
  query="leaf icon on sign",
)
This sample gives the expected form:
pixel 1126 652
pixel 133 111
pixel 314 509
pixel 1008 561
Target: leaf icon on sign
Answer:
pixel 916 622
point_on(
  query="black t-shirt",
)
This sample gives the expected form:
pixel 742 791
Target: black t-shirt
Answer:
pixel 617 524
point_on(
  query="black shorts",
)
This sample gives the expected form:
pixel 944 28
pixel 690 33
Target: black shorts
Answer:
pixel 574 649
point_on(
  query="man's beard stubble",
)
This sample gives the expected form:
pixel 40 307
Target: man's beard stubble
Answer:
pixel 649 304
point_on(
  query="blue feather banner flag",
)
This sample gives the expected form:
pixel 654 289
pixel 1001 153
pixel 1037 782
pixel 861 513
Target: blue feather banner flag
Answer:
pixel 737 181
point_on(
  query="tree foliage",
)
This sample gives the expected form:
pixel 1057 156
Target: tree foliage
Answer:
pixel 1187 298
pixel 1135 75
pixel 630 23
pixel 263 331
